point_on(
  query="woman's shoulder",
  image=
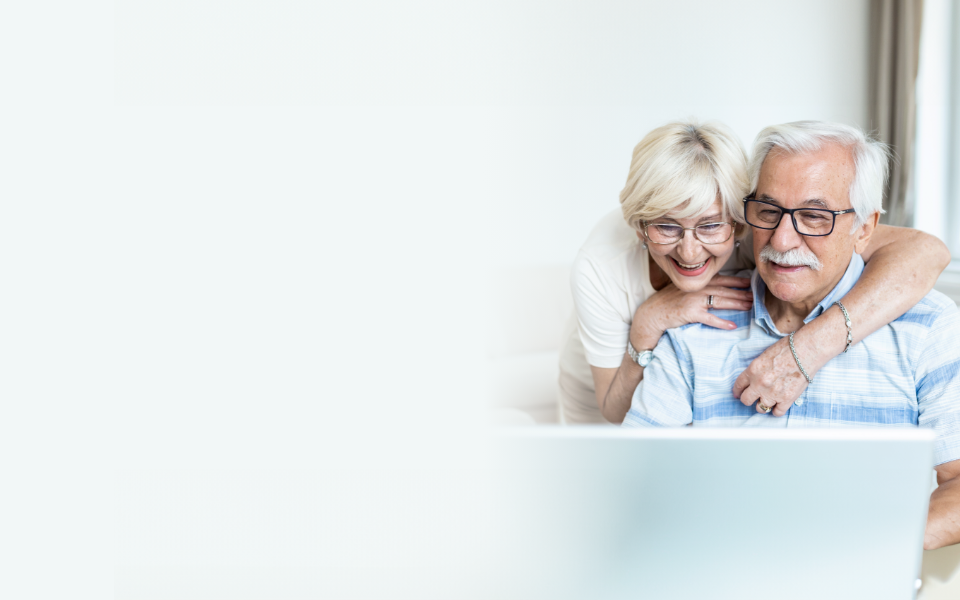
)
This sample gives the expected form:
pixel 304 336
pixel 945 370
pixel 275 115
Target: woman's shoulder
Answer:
pixel 610 237
pixel 612 257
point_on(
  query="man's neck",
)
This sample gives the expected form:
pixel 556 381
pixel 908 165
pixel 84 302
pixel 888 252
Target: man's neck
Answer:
pixel 788 317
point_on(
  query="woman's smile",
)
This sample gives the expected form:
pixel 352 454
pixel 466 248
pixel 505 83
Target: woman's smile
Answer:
pixel 690 270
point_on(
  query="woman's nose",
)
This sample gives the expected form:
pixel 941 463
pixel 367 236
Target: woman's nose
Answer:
pixel 689 245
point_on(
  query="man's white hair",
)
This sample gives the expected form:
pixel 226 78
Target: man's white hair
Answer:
pixel 871 158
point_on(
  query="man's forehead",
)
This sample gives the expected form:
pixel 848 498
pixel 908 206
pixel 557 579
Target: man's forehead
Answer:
pixel 823 175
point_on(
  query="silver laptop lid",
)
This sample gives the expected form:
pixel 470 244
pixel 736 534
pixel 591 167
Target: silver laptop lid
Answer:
pixel 710 513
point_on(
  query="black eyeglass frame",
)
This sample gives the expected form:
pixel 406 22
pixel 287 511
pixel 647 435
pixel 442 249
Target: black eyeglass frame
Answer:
pixel 790 211
pixel 644 226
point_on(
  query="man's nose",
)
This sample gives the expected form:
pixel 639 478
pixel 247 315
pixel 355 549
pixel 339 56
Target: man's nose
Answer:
pixel 785 236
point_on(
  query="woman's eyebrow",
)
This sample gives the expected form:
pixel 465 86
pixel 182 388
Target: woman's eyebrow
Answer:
pixel 712 218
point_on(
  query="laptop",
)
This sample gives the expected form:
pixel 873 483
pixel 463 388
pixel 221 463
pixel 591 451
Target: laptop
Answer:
pixel 598 513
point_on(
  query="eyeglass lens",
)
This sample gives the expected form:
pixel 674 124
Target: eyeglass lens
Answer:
pixel 708 233
pixel 807 222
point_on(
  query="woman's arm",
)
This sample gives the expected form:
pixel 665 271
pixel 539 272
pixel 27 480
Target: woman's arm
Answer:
pixel 902 267
pixel 667 308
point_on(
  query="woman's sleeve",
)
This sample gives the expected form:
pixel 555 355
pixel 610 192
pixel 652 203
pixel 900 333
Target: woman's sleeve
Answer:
pixel 603 330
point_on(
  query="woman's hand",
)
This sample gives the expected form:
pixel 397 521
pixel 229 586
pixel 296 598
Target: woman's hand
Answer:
pixel 671 307
pixel 667 308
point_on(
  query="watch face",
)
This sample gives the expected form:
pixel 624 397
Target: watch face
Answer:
pixel 645 358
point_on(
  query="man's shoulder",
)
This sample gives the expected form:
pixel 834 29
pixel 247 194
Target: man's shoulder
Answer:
pixel 930 308
pixel 697 333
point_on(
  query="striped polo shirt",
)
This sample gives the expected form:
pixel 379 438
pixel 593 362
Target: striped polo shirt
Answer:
pixel 906 374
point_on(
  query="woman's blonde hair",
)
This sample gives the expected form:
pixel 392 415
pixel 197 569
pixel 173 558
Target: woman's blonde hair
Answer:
pixel 685 166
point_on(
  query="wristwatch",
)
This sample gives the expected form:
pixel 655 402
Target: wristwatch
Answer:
pixel 642 358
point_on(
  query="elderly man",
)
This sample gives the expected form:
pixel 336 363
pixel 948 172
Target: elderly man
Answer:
pixel 817 190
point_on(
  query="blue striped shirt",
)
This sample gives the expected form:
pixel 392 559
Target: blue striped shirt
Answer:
pixel 906 374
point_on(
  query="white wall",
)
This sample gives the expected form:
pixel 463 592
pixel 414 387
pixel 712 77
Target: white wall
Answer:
pixel 603 81
pixel 549 97
pixel 242 246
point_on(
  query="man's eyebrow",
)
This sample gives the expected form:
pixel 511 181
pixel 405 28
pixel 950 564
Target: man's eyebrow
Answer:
pixel 816 202
pixel 767 198
pixel 811 202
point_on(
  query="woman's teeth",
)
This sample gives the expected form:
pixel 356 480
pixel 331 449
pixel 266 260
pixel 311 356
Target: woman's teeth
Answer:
pixel 691 267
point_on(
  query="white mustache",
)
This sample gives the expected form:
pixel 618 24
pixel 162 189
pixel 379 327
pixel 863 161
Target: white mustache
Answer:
pixel 791 258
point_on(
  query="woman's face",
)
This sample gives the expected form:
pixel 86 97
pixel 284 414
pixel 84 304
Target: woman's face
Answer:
pixel 689 263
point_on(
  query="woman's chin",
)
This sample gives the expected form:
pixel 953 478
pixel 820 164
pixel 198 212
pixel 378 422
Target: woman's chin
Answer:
pixel 692 284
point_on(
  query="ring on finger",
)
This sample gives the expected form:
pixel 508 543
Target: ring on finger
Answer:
pixel 710 301
pixel 763 407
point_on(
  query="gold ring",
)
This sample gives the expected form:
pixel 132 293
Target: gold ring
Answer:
pixel 763 406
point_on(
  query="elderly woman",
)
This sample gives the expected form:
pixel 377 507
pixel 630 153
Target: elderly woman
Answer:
pixel 656 264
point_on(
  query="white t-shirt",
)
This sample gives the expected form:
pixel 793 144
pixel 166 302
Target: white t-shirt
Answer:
pixel 609 280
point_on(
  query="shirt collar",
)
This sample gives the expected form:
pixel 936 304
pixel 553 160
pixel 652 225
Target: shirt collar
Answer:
pixel 846 283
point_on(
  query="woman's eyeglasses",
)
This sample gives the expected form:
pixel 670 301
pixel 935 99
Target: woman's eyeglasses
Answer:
pixel 671 233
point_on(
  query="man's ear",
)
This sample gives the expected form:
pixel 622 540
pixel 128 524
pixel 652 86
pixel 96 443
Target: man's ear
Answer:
pixel 864 232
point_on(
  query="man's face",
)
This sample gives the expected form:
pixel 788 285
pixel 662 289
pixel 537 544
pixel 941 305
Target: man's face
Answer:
pixel 815 180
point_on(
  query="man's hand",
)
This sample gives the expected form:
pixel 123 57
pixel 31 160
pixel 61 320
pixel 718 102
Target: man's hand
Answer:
pixel 943 519
pixel 772 377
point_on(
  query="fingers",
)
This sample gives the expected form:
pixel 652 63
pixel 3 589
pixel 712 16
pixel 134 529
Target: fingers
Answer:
pixel 726 301
pixel 761 404
pixel 733 282
pixel 725 292
pixel 742 382
pixel 749 396
pixel 714 321
pixel 779 398
pixel 721 303
pixel 765 406
pixel 781 408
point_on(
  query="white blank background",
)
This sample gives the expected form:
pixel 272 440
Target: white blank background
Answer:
pixel 243 248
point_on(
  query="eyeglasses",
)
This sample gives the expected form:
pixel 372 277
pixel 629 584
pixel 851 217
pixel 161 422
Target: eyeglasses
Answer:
pixel 671 233
pixel 813 222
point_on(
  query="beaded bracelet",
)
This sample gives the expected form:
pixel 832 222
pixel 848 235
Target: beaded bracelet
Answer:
pixel 846 316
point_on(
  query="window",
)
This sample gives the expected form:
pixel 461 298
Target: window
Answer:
pixel 937 168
